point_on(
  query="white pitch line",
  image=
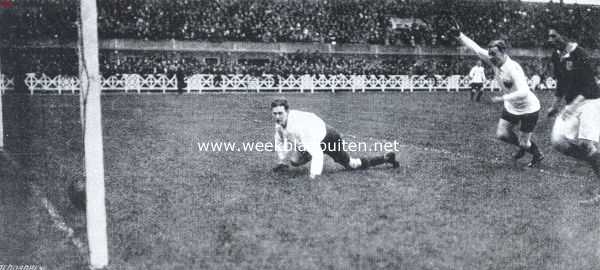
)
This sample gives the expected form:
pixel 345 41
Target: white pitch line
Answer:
pixel 57 220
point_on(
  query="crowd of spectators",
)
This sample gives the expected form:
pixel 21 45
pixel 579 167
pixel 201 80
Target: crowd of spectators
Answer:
pixel 322 21
pixel 57 61
pixel 52 62
pixel 308 63
pixel 340 21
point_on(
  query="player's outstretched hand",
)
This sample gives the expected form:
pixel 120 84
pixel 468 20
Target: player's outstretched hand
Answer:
pixel 281 168
pixel 454 30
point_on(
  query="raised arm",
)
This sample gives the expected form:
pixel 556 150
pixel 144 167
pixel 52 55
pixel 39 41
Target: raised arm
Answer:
pixel 472 45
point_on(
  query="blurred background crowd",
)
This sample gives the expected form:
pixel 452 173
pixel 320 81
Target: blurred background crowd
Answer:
pixel 407 23
pixel 342 21
pixel 63 61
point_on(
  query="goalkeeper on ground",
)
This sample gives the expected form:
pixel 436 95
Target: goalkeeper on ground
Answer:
pixel 301 137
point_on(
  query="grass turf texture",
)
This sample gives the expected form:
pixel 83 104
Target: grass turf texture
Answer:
pixel 456 202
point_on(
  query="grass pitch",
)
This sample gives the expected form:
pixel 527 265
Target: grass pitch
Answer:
pixel 456 202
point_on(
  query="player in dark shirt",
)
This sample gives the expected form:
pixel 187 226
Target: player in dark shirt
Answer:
pixel 576 131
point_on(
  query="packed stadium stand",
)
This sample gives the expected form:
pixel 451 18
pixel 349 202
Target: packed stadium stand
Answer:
pixel 360 21
pixel 47 31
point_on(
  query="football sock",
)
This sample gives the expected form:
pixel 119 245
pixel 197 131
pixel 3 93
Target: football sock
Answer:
pixel 374 161
pixel 364 163
pixel 534 150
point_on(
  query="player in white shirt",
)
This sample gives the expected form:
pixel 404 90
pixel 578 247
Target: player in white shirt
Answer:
pixel 521 106
pixel 477 76
pixel 310 138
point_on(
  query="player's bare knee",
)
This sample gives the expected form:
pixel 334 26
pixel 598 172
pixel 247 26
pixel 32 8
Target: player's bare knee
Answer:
pixel 525 140
pixel 524 144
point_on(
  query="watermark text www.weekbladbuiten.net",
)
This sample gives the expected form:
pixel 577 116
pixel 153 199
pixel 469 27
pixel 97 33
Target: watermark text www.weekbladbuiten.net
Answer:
pixel 221 146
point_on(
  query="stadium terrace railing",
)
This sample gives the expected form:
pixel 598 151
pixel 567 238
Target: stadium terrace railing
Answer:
pixel 122 83
pixel 199 83
pixel 6 83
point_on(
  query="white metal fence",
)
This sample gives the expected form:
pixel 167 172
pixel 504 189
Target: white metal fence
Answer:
pixel 6 83
pixel 199 83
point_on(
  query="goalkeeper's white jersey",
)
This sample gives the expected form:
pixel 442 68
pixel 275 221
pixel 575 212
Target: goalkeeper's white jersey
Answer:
pixel 305 131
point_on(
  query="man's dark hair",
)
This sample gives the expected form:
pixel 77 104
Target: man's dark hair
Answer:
pixel 559 32
pixel 280 102
pixel 498 43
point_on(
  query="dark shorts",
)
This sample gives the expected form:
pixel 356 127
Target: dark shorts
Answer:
pixel 332 145
pixel 527 121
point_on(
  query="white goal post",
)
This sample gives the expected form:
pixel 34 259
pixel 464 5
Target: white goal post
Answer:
pixel 92 132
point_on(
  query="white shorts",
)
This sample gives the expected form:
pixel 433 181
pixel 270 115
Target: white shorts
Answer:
pixel 584 124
